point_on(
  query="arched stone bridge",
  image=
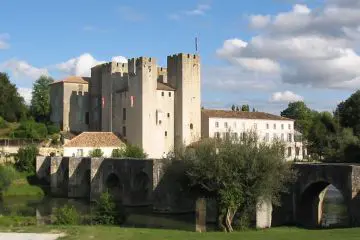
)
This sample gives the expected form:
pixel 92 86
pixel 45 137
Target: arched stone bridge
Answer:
pixel 307 196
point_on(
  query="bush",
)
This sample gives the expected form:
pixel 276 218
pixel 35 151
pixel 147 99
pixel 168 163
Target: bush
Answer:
pixel 3 123
pixel 66 215
pixel 131 151
pixel 31 129
pixel 108 212
pixel 7 175
pixel 25 160
pixel 96 153
pixel 52 129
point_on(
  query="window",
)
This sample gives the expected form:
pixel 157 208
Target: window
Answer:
pixel 79 153
pixel 274 125
pixel 282 137
pixel 282 126
pixel 255 126
pixel 225 124
pixel 235 136
pixel 169 94
pixel 234 124
pixel 243 136
pixel 289 126
pixel 297 151
pixel 162 94
pixel 289 137
pixel 165 133
pixel 289 152
pixel 191 126
pixel 216 124
pixel 217 135
pixel 124 131
pixel 267 136
pixel 275 136
pixel 227 135
pixel 124 114
pixel 168 115
pixel 160 122
pixel 87 118
pixel 267 126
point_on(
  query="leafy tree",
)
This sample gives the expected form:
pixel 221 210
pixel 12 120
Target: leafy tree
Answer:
pixel 108 212
pixel 131 151
pixel 25 160
pixel 254 110
pixel 233 108
pixel 237 108
pixel 30 129
pixel 96 153
pixel 12 106
pixel 3 123
pixel 301 114
pixel 7 175
pixel 236 173
pixel 348 113
pixel 40 102
pixel 245 108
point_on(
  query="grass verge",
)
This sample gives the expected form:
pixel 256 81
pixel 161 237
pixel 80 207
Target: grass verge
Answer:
pixel 22 187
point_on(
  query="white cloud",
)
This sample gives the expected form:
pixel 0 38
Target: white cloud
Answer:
pixel 81 66
pixel 22 69
pixel 4 37
pixel 303 46
pixel 26 93
pixel 286 96
pixel 119 59
pixel 199 10
pixel 130 14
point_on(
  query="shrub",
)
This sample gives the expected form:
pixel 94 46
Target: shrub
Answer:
pixel 52 129
pixel 31 129
pixel 7 175
pixel 131 151
pixel 96 153
pixel 3 123
pixel 66 215
pixel 25 160
pixel 108 212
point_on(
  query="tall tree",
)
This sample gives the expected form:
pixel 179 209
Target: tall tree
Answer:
pixel 348 113
pixel 245 108
pixel 301 114
pixel 40 102
pixel 237 108
pixel 12 106
pixel 233 108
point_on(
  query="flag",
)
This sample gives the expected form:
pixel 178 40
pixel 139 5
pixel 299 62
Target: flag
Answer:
pixel 103 102
pixel 132 99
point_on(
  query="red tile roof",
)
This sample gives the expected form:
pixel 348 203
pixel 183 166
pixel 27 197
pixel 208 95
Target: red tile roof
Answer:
pixel 95 139
pixel 74 79
pixel 242 115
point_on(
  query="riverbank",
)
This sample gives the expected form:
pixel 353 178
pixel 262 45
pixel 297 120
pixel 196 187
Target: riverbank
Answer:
pixel 22 186
pixel 106 232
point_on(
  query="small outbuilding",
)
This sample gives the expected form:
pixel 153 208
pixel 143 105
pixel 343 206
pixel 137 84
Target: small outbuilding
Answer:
pixel 84 143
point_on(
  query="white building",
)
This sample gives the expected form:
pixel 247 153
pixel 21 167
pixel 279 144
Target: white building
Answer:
pixel 83 144
pixel 222 124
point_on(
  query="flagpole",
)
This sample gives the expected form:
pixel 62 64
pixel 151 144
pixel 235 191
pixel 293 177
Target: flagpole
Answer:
pixel 111 103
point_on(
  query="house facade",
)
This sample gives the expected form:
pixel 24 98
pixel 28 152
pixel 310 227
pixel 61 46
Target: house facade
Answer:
pixel 83 144
pixel 223 124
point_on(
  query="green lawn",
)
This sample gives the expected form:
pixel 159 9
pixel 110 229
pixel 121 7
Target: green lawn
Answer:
pixel 103 233
pixel 21 187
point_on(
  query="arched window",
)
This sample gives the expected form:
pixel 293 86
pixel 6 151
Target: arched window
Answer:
pixel 191 126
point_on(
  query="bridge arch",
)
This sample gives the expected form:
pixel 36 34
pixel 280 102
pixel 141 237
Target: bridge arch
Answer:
pixel 114 186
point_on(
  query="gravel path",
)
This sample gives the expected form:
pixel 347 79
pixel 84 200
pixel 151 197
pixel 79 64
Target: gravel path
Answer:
pixel 29 236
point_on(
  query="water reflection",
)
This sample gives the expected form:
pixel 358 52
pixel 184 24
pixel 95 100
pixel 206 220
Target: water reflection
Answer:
pixel 334 210
pixel 44 209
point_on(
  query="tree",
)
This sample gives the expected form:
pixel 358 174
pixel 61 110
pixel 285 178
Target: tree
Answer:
pixel 245 108
pixel 131 151
pixel 109 212
pixel 25 160
pixel 237 108
pixel 348 113
pixel 254 110
pixel 233 108
pixel 12 106
pixel 301 114
pixel 236 173
pixel 97 152
pixel 30 129
pixel 40 102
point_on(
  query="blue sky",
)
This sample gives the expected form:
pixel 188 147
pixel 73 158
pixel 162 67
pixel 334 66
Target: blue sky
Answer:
pixel 264 53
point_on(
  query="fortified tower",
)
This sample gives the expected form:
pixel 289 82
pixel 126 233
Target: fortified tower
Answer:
pixel 184 76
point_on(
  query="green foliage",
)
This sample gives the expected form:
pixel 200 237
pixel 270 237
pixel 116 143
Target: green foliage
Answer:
pixel 236 173
pixel 66 215
pixel 233 108
pixel 7 175
pixel 108 212
pixel 245 108
pixel 3 123
pixel 348 113
pixel 302 115
pixel 131 151
pixel 96 153
pixel 17 221
pixel 40 102
pixel 26 159
pixel 30 129
pixel 12 106
pixel 52 129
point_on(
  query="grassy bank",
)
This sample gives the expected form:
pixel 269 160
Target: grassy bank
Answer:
pixel 21 187
pixel 102 232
